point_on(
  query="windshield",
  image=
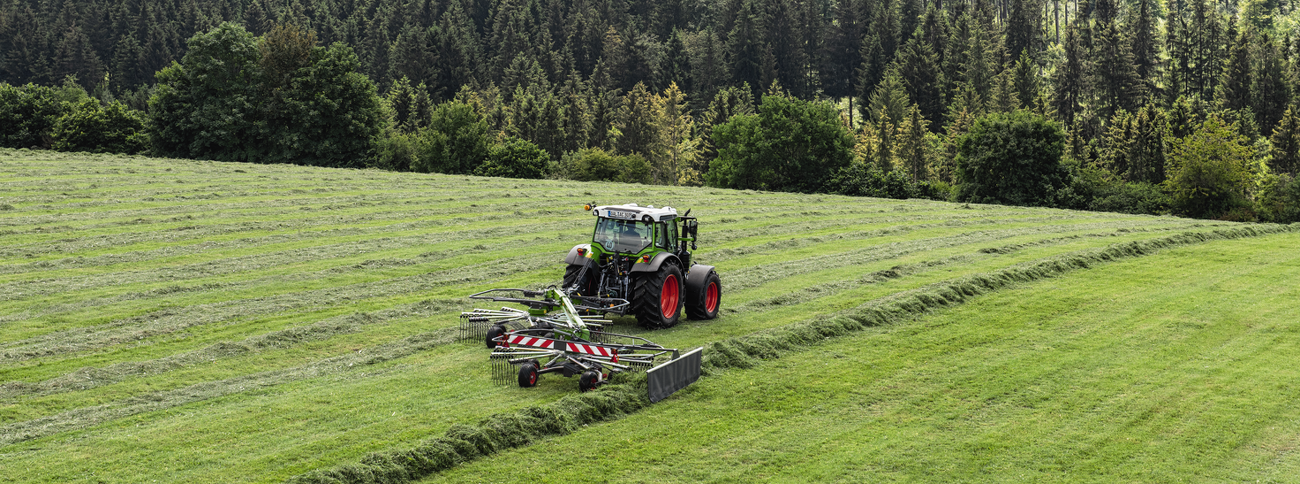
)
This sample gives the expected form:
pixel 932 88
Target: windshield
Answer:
pixel 625 236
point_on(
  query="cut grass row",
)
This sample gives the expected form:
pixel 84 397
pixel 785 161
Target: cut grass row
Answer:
pixel 165 332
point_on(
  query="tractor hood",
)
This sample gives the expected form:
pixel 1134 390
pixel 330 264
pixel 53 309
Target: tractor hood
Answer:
pixel 633 211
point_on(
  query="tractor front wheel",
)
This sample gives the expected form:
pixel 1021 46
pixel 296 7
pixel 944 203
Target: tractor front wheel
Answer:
pixel 658 296
pixel 587 286
pixel 703 302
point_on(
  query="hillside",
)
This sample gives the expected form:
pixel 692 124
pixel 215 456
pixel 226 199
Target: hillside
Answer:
pixel 218 322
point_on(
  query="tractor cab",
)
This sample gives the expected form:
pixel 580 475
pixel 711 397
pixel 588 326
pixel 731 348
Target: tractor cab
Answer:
pixel 631 229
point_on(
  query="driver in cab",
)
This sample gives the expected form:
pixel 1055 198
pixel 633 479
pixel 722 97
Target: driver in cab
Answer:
pixel 633 234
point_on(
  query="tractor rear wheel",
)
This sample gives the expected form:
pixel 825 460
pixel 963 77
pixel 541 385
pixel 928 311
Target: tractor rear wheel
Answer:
pixel 705 301
pixel 527 375
pixel 657 297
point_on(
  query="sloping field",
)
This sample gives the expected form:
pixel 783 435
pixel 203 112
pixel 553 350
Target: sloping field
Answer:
pixel 215 322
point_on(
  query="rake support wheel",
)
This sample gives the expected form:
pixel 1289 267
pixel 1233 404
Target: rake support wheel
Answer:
pixel 527 375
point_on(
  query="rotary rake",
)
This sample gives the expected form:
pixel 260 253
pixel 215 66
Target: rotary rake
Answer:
pixel 555 335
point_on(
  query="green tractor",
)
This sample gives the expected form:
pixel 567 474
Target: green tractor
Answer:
pixel 640 255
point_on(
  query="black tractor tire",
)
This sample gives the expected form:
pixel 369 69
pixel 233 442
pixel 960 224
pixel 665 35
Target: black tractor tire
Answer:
pixel 588 284
pixel 492 333
pixel 657 297
pixel 705 301
pixel 588 380
pixel 527 375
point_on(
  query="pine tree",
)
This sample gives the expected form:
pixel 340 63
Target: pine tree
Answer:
pixel 1286 145
pixel 1146 50
pixel 1026 81
pixel 1114 77
pixel 679 145
pixel 1023 28
pixel 638 123
pixel 889 99
pixel 676 68
pixel 1237 76
pixel 911 145
pixel 919 68
pixel 874 64
pixel 1003 98
pixel 749 56
pixel 400 101
pixel 1271 92
pixel 841 55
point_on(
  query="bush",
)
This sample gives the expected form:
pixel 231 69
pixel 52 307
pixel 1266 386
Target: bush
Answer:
pixel 396 151
pixel 1126 197
pixel 863 179
pixel 275 99
pixel 28 113
pixel 514 158
pixel 457 141
pixel 1209 171
pixel 789 145
pixel 1279 200
pixel 594 164
pixel 1011 158
pixel 108 129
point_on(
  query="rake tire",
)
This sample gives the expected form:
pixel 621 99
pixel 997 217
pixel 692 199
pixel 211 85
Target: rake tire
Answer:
pixel 527 375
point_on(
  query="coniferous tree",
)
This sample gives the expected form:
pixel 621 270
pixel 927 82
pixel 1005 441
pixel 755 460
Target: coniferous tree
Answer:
pixel 911 148
pixel 842 55
pixel 874 64
pixel 1114 78
pixel 676 67
pixel 1146 49
pixel 1023 28
pixel 920 71
pixel 400 100
pixel 1285 144
pixel 638 123
pixel 1026 82
pixel 890 100
pixel 1004 98
pixel 728 102
pixel 1271 92
pixel 1237 76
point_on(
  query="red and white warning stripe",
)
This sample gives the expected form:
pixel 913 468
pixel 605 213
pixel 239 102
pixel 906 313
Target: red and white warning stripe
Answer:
pixel 589 349
pixel 530 341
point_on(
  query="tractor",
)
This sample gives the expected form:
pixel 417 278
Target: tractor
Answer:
pixel 643 255
pixel 638 263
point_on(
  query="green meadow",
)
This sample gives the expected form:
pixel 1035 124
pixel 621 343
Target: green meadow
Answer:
pixel 191 321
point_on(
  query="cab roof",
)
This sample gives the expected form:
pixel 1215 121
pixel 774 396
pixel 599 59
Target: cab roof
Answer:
pixel 632 211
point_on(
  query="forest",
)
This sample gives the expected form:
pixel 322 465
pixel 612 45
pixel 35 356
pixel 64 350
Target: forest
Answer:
pixel 1183 107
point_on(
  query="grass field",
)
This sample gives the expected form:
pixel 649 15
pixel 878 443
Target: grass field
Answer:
pixel 211 322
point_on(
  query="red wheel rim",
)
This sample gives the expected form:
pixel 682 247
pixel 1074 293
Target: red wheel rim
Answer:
pixel 668 297
pixel 532 378
pixel 711 298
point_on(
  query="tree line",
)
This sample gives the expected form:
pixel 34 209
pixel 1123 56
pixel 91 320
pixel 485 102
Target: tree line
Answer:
pixel 869 97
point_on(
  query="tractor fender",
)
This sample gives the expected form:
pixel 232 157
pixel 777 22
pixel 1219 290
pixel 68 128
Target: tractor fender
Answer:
pixel 653 265
pixel 574 257
pixel 697 277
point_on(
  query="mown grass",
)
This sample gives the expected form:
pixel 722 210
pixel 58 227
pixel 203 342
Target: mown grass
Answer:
pixel 1169 368
pixel 215 322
